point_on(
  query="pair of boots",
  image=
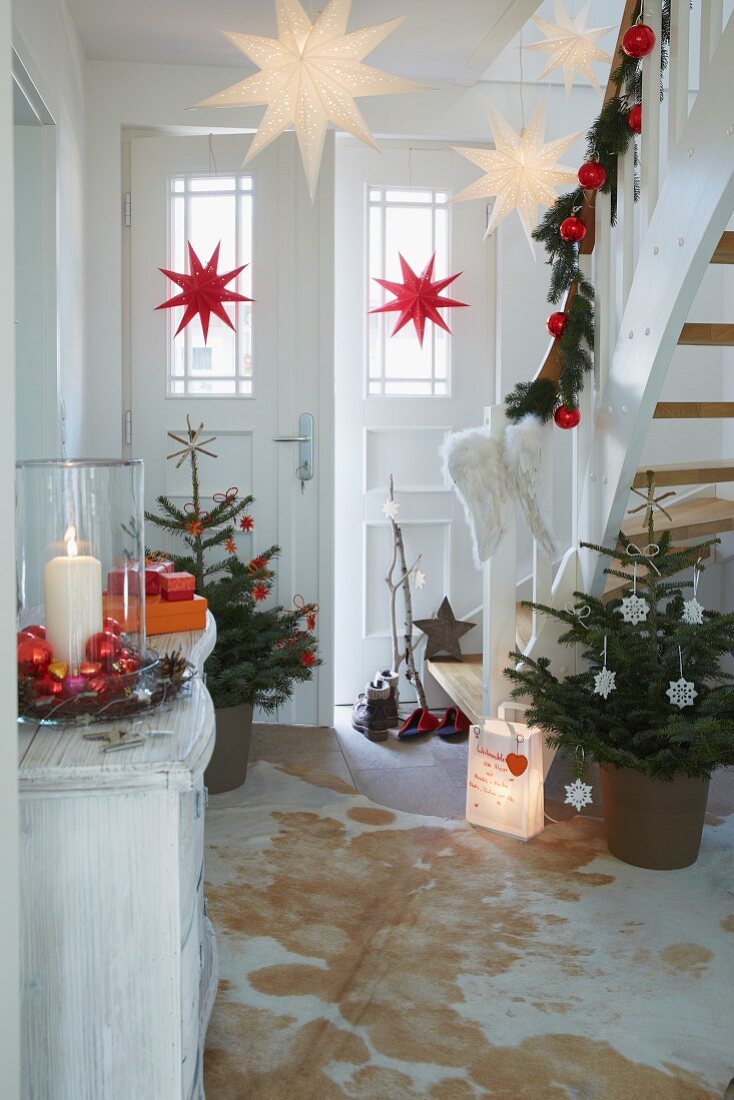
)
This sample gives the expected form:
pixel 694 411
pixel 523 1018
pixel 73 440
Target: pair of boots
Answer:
pixel 376 709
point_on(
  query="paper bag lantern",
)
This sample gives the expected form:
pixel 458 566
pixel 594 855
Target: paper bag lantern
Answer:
pixel 505 778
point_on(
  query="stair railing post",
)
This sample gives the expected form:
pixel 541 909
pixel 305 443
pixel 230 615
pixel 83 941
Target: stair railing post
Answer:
pixel 678 69
pixel 499 599
pixel 712 21
pixel 650 145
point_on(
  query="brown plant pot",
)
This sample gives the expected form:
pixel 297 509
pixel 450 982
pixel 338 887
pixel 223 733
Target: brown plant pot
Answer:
pixel 228 766
pixel 650 822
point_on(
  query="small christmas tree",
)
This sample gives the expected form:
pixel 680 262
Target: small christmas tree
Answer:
pixel 261 653
pixel 654 697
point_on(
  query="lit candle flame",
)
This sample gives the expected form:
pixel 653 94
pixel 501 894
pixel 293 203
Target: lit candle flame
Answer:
pixel 70 540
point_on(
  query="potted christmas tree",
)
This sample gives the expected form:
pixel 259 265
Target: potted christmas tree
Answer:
pixel 261 651
pixel 654 707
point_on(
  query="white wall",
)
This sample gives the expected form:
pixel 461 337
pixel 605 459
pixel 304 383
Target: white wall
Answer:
pixel 9 935
pixel 47 42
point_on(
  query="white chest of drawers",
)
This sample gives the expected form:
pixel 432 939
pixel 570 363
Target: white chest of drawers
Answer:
pixel 118 959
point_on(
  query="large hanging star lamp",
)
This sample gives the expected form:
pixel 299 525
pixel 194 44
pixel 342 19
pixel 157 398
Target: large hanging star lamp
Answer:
pixel 571 45
pixel 418 298
pixel 203 291
pixel 309 77
pixel 522 171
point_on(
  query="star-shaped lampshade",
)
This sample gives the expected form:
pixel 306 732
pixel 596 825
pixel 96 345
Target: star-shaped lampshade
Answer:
pixel 418 298
pixel 444 632
pixel 203 291
pixel 310 75
pixel 571 45
pixel 522 170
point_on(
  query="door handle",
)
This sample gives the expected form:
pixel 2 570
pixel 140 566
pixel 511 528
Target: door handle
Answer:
pixel 304 471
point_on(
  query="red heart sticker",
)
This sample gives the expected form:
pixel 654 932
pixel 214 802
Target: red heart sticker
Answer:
pixel 476 805
pixel 516 764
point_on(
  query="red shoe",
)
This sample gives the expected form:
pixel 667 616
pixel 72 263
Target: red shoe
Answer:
pixel 453 722
pixel 420 721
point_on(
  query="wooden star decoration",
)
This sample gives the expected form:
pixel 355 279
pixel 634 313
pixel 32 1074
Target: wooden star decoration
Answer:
pixel 192 444
pixel 203 291
pixel 443 632
pixel 418 298
pixel 651 501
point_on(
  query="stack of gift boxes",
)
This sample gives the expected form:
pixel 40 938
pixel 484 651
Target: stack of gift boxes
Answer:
pixel 170 601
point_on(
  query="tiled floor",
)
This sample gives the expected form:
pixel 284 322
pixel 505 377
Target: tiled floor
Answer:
pixel 423 775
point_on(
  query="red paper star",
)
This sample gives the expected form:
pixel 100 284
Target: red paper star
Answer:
pixel 203 291
pixel 247 523
pixel 418 298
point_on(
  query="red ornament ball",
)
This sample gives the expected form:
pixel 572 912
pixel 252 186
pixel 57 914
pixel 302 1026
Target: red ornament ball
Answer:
pixel 105 648
pixel 88 669
pixel 126 663
pixel 34 657
pixel 592 175
pixel 47 686
pixel 556 324
pixel 111 626
pixel 573 229
pixel 24 636
pixel 566 418
pixel 100 685
pixel 638 41
pixel 36 631
pixel 634 118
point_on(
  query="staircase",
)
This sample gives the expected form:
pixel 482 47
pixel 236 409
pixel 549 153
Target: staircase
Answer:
pixel 647 272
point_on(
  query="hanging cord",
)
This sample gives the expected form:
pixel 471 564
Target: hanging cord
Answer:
pixel 212 158
pixel 522 83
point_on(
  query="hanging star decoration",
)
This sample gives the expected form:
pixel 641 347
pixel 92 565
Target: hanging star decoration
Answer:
pixel 634 609
pixel 681 693
pixel 309 76
pixel 692 612
pixel 651 501
pixel 605 682
pixel 191 444
pixel 418 298
pixel 390 509
pixel 203 291
pixel 443 632
pixel 571 45
pixel 578 795
pixel 419 577
pixel 522 170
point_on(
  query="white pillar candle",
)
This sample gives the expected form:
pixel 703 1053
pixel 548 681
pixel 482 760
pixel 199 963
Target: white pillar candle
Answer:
pixel 73 594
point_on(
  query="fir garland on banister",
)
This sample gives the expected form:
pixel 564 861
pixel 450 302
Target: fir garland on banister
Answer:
pixel 607 140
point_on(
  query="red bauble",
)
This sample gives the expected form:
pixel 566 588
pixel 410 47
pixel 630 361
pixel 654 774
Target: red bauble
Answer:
pixel 555 324
pixel 638 41
pixel 34 657
pixel 46 686
pixel 126 663
pixel 105 648
pixel 36 631
pixel 24 636
pixel 88 669
pixel 111 626
pixel 634 118
pixel 592 175
pixel 100 685
pixel 566 418
pixel 573 229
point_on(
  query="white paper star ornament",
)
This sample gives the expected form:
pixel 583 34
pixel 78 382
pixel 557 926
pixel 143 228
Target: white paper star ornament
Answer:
pixel 522 170
pixel 634 609
pixel 605 682
pixel 571 45
pixel 310 75
pixel 390 509
pixel 692 612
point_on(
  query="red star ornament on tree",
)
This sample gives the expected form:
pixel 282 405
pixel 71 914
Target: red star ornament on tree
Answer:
pixel 418 298
pixel 203 291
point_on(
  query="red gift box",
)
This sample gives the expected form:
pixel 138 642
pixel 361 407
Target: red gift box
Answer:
pixel 121 580
pixel 153 573
pixel 168 566
pixel 177 586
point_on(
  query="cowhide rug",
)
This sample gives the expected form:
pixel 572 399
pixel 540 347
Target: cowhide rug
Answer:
pixel 378 955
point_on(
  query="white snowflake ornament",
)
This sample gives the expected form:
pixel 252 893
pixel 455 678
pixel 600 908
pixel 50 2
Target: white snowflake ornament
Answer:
pixel 692 612
pixel 605 682
pixel 578 794
pixel 634 609
pixel 681 693
pixel 390 509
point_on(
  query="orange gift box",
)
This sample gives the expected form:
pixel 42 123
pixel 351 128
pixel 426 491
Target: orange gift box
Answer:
pixel 161 616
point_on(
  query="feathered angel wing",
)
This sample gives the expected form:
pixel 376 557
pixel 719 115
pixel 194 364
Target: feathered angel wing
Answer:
pixel 523 457
pixel 475 463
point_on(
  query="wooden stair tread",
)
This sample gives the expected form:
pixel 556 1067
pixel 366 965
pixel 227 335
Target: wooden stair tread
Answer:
pixel 693 410
pixel 709 334
pixel 690 519
pixel 724 253
pixel 687 473
pixel 462 682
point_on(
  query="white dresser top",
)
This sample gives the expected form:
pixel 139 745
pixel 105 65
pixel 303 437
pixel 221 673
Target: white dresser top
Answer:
pixel 56 758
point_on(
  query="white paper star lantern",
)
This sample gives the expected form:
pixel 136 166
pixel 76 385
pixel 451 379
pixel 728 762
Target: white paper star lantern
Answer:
pixel 571 45
pixel 309 77
pixel 390 509
pixel 522 170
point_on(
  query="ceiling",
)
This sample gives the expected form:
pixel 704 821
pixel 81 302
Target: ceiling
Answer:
pixel 436 42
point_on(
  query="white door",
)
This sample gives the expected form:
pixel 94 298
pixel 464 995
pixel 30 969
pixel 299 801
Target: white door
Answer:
pixel 395 403
pixel 248 386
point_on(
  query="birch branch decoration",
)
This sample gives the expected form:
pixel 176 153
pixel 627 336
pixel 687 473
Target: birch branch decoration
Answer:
pixel 401 652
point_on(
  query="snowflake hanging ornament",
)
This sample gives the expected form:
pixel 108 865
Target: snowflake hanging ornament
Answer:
pixel 634 609
pixel 390 509
pixel 419 577
pixel 578 795
pixel 605 682
pixel 692 609
pixel 681 692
